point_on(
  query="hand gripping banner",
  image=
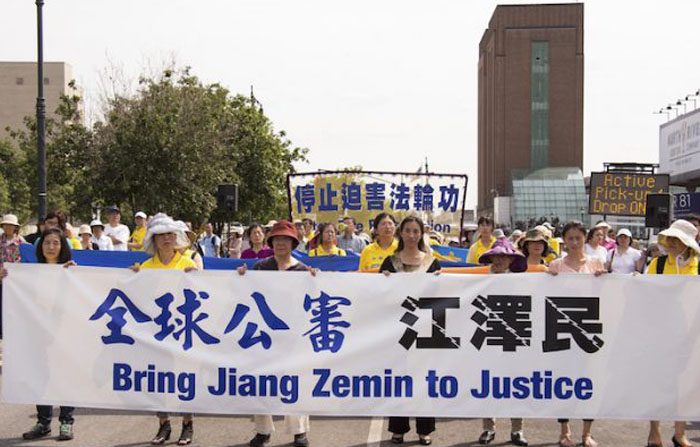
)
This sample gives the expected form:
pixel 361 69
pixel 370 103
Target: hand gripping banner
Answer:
pixel 512 345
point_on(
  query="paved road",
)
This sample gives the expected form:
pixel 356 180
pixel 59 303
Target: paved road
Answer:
pixel 95 428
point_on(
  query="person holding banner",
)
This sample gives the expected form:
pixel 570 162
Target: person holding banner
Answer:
pixel 624 258
pixel 503 258
pixel 256 237
pixel 576 261
pixel 52 248
pixel 412 255
pixel 680 243
pixel 283 239
pixel 384 245
pixel 164 241
pixel 327 241
pixel 484 242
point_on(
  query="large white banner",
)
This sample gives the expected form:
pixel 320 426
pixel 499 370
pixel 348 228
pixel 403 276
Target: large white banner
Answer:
pixel 529 345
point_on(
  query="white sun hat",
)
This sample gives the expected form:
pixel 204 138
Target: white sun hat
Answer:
pixel 161 224
pixel 684 231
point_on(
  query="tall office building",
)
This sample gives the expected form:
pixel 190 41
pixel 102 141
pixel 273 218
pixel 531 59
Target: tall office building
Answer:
pixel 530 95
pixel 18 90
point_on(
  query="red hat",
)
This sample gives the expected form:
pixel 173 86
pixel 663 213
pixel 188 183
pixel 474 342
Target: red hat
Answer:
pixel 283 228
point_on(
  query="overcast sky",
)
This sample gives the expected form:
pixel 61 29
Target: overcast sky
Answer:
pixel 382 84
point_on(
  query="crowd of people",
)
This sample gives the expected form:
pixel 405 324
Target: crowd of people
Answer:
pixel 392 247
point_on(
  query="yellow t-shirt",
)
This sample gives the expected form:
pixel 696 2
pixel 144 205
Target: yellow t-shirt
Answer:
pixel 373 255
pixel 137 237
pixel 477 249
pixel 671 267
pixel 75 243
pixel 554 245
pixel 319 251
pixel 178 262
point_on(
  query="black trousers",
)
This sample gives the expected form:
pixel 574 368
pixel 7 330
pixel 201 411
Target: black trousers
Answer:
pixel 400 425
pixel 45 412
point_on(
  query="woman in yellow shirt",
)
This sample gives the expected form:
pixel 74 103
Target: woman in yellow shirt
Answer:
pixel 384 245
pixel 682 259
pixel 164 240
pixel 327 242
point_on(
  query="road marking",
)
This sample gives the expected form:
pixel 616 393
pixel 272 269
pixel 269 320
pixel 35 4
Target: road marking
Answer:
pixel 375 432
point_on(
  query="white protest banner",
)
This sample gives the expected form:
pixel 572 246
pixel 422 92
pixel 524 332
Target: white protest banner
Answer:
pixel 528 345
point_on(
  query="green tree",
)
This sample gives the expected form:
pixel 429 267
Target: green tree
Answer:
pixel 67 143
pixel 169 146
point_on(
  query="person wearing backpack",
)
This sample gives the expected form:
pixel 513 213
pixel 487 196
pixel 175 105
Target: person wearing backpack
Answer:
pixel 210 242
pixel 680 243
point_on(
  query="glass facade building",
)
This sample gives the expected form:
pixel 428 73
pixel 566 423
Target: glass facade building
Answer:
pixel 550 192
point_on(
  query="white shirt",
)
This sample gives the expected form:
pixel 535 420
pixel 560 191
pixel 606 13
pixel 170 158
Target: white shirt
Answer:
pixel 599 252
pixel 104 243
pixel 121 232
pixel 210 245
pixel 624 263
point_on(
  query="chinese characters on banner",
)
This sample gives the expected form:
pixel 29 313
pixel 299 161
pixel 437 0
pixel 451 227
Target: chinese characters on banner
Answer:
pixel 528 345
pixel 327 196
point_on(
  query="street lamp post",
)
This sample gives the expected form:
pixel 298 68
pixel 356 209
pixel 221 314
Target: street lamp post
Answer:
pixel 40 114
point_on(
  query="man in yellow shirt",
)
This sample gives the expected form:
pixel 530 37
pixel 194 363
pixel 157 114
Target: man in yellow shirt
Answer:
pixel 136 241
pixel 484 242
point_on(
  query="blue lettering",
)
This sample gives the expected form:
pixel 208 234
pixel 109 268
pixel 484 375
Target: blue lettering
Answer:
pixel 583 388
pixel 324 374
pixel 121 380
pixel 341 386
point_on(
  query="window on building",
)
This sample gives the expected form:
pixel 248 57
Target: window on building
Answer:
pixel 539 106
pixel 46 81
pixel 19 81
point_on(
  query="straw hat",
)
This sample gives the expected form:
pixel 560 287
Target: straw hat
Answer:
pixel 502 248
pixel 684 231
pixel 544 230
pixel 10 219
pixel 161 224
pixel 534 235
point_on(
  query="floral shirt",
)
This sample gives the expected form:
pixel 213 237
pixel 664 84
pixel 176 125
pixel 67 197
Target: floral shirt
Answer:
pixel 9 249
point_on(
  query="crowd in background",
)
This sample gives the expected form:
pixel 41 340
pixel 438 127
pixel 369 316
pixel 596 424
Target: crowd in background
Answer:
pixel 392 247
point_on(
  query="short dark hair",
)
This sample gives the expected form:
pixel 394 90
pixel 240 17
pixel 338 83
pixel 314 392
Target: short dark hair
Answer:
pixel 526 251
pixel 380 217
pixel 421 225
pixel 483 220
pixel 64 255
pixel 573 225
pixel 307 219
pixel 592 233
pixel 60 216
pixel 253 226
pixel 322 227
